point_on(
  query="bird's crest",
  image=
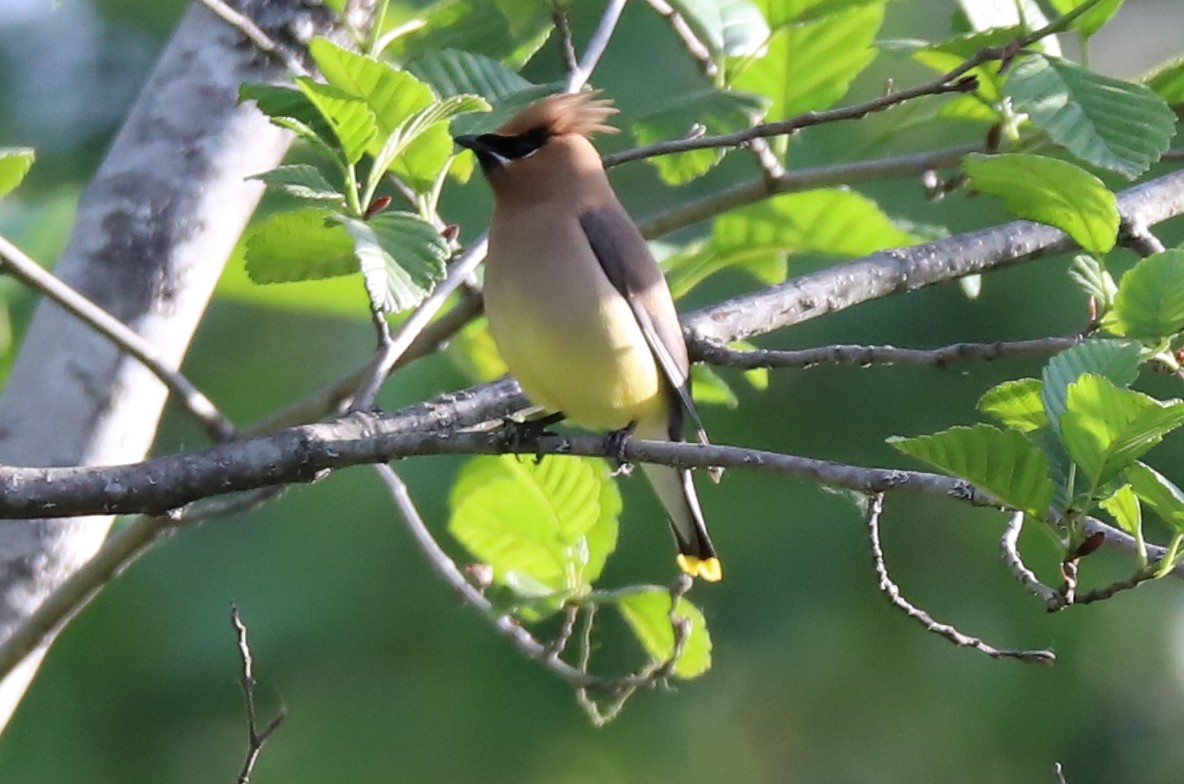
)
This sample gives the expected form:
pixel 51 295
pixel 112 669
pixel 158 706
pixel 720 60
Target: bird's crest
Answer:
pixel 576 113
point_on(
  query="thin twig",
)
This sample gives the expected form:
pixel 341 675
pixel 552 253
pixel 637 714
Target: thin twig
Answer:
pixel 954 81
pixel 256 738
pixel 690 41
pixel 596 46
pixel 397 345
pixel 715 354
pixel 123 548
pixel 15 262
pixel 1118 586
pixel 892 592
pixel 447 570
pixel 255 34
pixel 1009 550
pixel 751 191
pixel 562 20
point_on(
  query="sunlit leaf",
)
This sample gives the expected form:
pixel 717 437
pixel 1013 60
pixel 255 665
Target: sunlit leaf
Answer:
pixel 453 72
pixel 302 181
pixel 1092 20
pixel 1003 463
pixel 401 257
pixel 1107 122
pixel 810 65
pixel 1117 360
pixel 15 163
pixel 1149 305
pixel 1123 504
pixel 1050 191
pixel 550 524
pixel 299 245
pixel 1167 81
pixel 1106 428
pixel 350 119
pixel 509 31
pixel 1094 280
pixel 1017 404
pixel 1158 493
pixel 758 238
pixel 648 614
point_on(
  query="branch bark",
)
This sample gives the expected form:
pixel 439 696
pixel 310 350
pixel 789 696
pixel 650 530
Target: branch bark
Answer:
pixel 152 232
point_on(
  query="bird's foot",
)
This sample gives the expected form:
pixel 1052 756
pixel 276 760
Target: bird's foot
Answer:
pixel 614 445
pixel 518 437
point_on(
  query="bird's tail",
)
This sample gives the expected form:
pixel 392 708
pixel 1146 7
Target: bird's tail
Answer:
pixel 676 490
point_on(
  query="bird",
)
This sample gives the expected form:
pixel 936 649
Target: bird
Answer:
pixel 578 306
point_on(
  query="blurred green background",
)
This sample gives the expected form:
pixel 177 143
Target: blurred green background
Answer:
pixel 387 678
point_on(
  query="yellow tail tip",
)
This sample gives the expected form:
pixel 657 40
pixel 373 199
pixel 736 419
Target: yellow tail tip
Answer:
pixel 708 569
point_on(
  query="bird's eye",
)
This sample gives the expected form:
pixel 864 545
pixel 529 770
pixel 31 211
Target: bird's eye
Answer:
pixel 512 148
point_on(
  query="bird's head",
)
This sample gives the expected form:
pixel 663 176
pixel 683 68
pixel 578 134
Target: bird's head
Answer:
pixel 546 141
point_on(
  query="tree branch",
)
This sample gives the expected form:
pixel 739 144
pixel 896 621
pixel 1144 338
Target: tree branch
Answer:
pixel 892 593
pixel 14 261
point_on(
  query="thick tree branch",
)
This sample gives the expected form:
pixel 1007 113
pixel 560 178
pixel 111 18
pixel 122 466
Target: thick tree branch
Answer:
pixel 152 231
pixel 878 355
pixel 14 261
pixel 906 269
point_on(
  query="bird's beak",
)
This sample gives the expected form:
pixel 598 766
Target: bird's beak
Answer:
pixel 473 143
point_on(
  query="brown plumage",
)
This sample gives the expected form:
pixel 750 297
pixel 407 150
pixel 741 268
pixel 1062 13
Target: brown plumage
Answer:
pixel 576 303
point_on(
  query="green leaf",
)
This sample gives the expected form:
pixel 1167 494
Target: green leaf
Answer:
pixel 1106 428
pixel 302 181
pixel 453 72
pixel 413 146
pixel 406 111
pixel 15 163
pixel 1117 360
pixel 1167 81
pixel 1003 463
pixel 810 65
pixel 351 120
pixel 1107 122
pixel 648 613
pixel 1149 305
pixel 1050 191
pixel 299 245
pixel 547 526
pixel 715 111
pixel 1094 280
pixel 401 256
pixel 1124 506
pixel 758 238
pixel 711 389
pixel 1158 492
pixel 509 31
pixel 732 28
pixel 1092 20
pixel 1017 404
pixel 286 102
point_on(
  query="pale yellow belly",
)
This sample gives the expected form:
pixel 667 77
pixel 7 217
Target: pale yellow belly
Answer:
pixel 569 338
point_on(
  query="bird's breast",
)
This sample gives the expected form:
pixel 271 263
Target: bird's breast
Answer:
pixel 565 333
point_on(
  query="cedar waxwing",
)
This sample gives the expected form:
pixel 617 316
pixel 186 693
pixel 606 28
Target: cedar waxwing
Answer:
pixel 576 303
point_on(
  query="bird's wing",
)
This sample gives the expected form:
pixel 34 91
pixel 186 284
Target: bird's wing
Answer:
pixel 630 267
